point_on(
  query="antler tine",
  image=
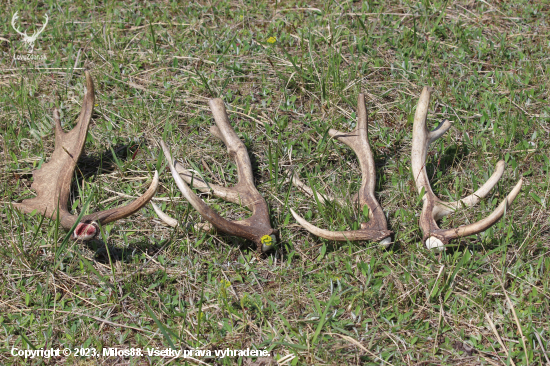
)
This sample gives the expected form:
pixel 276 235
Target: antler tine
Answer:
pixel 164 217
pixel 376 228
pixel 227 194
pixel 307 190
pixel 117 213
pixel 257 227
pixel 433 208
pixel 52 182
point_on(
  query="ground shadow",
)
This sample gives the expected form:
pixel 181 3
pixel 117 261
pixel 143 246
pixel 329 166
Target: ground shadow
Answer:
pixel 102 252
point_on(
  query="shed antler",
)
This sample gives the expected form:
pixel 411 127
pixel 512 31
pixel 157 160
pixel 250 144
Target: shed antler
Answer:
pixel 376 228
pixel 435 209
pixel 52 182
pixel 257 227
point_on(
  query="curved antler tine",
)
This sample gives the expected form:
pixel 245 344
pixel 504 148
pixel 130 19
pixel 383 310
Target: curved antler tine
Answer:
pixel 421 140
pixel 228 194
pixel 433 208
pixel 352 235
pixel 209 214
pixel 206 226
pixel 442 209
pixel 164 217
pixel 482 224
pixel 307 190
pixel 114 214
pixel 358 141
pixel 439 130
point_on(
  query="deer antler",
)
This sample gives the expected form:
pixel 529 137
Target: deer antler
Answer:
pixel 435 209
pixel 377 228
pixel 52 182
pixel 257 227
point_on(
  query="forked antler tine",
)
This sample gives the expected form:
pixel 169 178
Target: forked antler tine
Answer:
pixel 358 141
pixel 487 222
pixel 441 209
pixel 52 182
pixel 376 227
pixel 433 208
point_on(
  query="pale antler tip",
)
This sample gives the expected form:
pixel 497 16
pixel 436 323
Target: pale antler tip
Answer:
pixel 164 217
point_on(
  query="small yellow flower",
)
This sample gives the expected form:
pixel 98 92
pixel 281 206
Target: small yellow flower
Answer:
pixel 271 40
pixel 266 240
pixel 225 284
pixel 97 105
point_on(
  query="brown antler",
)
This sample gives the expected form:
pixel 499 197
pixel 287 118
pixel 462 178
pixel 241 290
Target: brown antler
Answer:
pixel 435 209
pixel 377 228
pixel 52 182
pixel 257 227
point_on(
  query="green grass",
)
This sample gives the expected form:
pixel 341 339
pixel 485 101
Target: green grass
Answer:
pixel 313 301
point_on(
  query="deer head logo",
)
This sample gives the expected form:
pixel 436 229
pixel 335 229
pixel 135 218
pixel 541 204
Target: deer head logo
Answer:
pixel 28 41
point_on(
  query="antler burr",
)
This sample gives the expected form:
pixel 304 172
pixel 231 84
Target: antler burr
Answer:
pixel 434 208
pixel 52 182
pixel 257 227
pixel 376 228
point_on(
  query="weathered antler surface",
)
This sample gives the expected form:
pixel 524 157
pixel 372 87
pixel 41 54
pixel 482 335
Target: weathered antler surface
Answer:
pixel 435 209
pixel 376 228
pixel 257 227
pixel 52 182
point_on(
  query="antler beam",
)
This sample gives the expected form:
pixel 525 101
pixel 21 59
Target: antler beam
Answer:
pixel 376 228
pixel 257 227
pixel 435 209
pixel 52 182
